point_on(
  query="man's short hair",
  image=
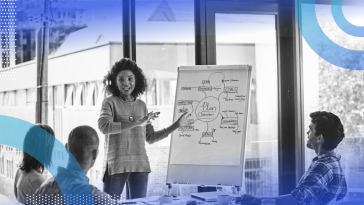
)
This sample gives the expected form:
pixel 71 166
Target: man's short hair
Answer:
pixel 82 141
pixel 330 127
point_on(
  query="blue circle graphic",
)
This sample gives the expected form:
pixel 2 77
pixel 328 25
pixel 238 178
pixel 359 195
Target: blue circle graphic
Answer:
pixel 13 131
pixel 320 43
pixel 345 25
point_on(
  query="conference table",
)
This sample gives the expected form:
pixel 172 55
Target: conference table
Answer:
pixel 153 200
pixel 178 200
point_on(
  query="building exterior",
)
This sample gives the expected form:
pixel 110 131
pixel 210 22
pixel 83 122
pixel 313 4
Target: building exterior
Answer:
pixel 63 22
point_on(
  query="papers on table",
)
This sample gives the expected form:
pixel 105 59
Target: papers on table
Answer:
pixel 153 200
pixel 210 196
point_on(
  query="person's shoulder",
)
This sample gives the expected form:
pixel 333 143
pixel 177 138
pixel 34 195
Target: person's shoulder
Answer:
pixel 320 169
pixel 109 101
pixel 140 103
pixel 330 162
pixel 47 187
pixel 51 182
pixel 109 98
pixel 333 165
pixel 31 177
pixel 35 177
pixel 322 163
pixel 36 174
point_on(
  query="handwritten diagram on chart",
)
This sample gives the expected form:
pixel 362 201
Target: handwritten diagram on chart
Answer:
pixel 215 101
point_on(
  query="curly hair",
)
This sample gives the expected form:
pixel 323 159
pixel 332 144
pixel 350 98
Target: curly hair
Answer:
pixel 109 81
pixel 38 144
pixel 329 125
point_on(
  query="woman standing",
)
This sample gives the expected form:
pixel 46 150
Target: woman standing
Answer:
pixel 125 121
pixel 38 143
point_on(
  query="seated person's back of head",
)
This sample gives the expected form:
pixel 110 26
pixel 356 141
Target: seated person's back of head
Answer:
pixel 38 144
pixel 83 143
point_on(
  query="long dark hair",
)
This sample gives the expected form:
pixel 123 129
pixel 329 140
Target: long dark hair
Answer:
pixel 141 84
pixel 38 143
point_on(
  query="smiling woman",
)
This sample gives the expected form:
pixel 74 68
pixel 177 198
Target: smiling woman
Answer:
pixel 125 121
pixel 125 82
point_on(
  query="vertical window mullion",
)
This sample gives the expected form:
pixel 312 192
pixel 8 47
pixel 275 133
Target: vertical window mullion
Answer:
pixel 129 42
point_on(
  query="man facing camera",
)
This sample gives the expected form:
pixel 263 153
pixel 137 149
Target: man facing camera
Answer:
pixel 324 180
pixel 83 143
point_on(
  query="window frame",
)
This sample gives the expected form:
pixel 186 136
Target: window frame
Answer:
pixel 290 147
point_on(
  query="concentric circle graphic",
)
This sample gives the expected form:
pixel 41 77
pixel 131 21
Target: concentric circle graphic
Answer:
pixel 345 25
pixel 317 39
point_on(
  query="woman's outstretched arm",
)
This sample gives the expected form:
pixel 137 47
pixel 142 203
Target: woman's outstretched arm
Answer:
pixel 155 136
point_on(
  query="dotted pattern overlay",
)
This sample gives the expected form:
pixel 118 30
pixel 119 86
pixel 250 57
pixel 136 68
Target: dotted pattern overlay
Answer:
pixel 72 199
pixel 7 31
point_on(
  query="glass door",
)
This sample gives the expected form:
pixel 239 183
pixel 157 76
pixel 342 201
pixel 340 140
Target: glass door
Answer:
pixel 245 34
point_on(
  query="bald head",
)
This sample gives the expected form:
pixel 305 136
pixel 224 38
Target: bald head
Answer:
pixel 83 143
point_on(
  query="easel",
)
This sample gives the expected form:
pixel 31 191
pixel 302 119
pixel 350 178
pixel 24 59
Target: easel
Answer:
pixel 210 164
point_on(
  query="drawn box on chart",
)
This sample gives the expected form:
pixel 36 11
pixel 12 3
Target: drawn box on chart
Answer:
pixel 229 121
pixel 190 121
pixel 184 102
pixel 183 110
pixel 186 128
pixel 204 88
pixel 231 89
pixel 207 134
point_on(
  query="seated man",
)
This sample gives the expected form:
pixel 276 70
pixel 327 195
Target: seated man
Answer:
pixel 324 179
pixel 83 143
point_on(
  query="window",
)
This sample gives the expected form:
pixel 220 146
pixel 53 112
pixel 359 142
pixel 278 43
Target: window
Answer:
pixel 337 90
pixel 164 41
pixel 250 39
pixel 2 165
pixel 8 168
